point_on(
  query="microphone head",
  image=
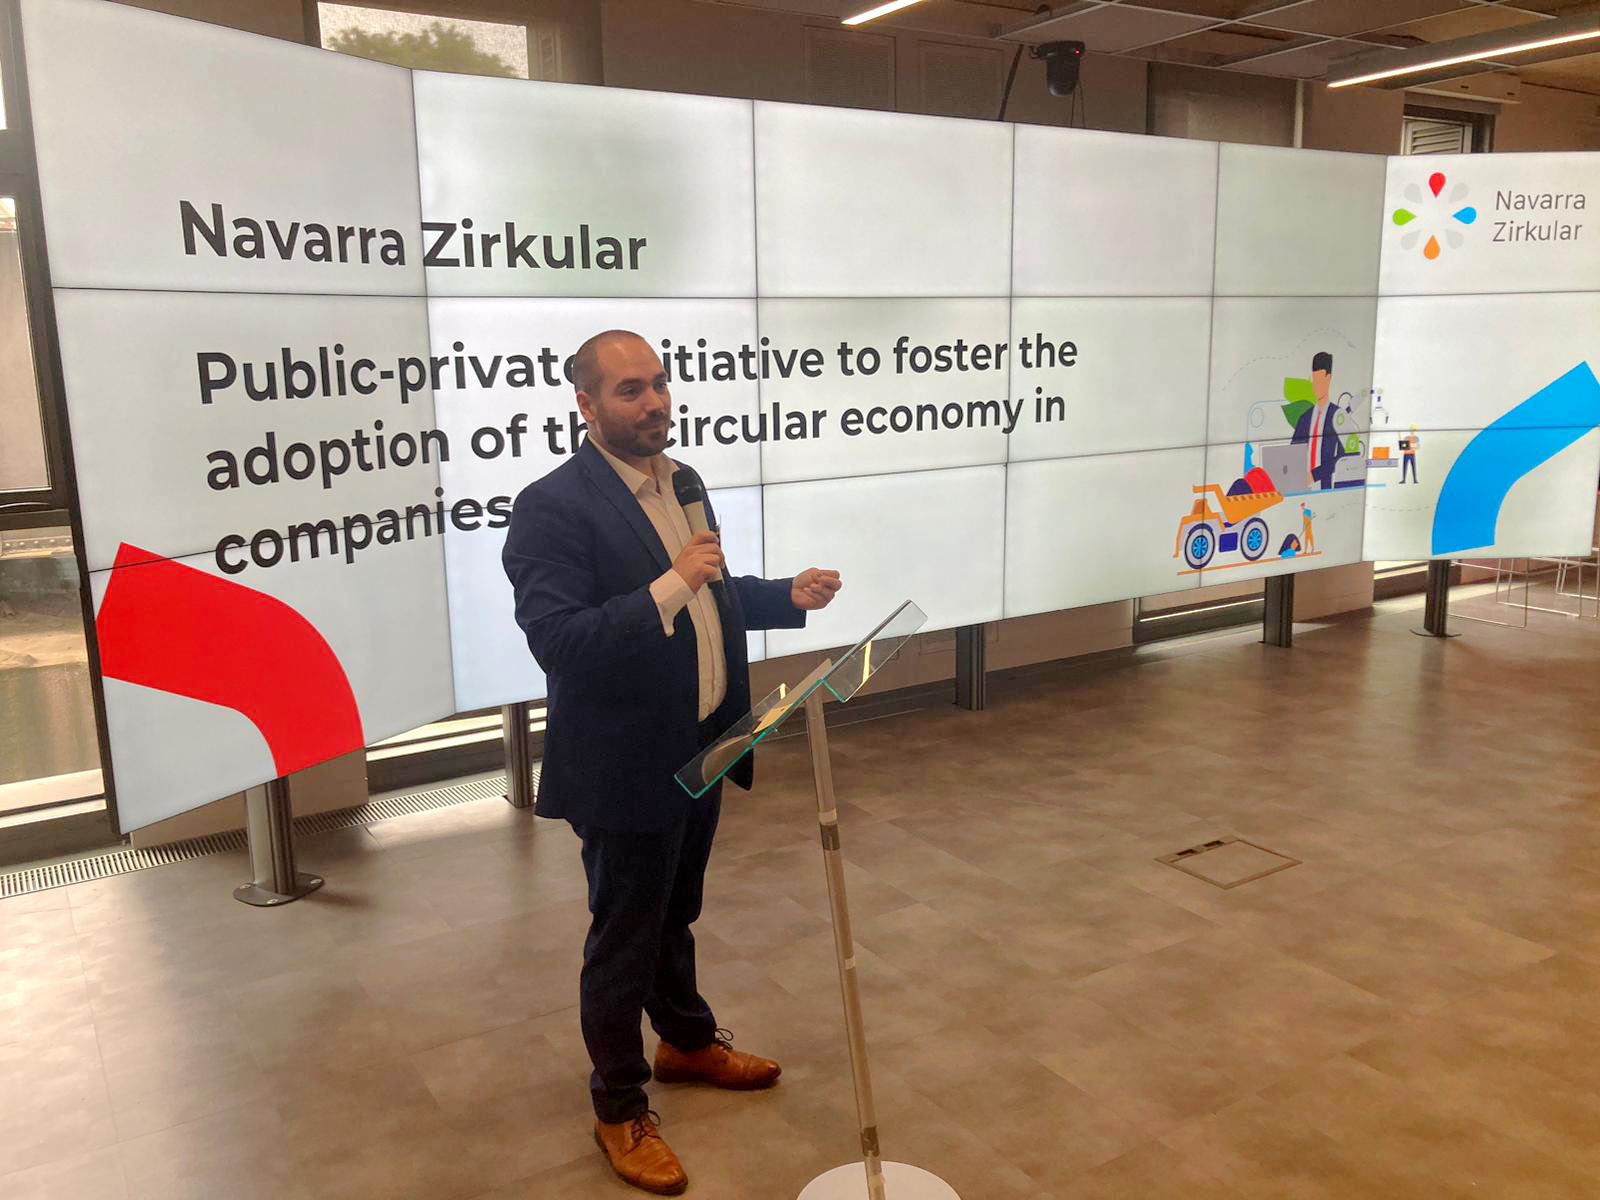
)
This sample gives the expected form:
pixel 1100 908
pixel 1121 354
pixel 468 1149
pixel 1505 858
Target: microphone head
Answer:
pixel 687 487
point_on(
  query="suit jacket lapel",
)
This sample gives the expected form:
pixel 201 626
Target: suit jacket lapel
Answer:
pixel 610 485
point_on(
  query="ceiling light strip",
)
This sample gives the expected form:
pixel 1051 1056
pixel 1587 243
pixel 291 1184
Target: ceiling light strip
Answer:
pixel 1476 56
pixel 883 10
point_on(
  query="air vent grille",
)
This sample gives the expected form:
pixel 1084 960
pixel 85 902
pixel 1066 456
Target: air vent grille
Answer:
pixel 1437 137
pixel 127 860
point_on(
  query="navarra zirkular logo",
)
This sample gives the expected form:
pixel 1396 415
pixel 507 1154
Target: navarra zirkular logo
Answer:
pixel 1438 214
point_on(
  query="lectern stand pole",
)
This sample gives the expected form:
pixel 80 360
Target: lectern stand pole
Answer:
pixel 269 823
pixel 843 941
pixel 884 1181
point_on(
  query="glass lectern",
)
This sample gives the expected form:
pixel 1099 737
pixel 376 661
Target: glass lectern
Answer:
pixel 841 680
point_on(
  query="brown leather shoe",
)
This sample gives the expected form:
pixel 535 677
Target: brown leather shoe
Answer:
pixel 719 1064
pixel 640 1156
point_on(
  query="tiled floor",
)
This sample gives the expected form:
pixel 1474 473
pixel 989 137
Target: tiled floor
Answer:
pixel 1413 1012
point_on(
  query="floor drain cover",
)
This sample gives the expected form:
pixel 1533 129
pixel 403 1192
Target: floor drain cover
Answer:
pixel 1228 862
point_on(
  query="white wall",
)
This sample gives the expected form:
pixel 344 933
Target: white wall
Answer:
pixel 275 18
pixel 1220 106
pixel 1358 119
pixel 1549 119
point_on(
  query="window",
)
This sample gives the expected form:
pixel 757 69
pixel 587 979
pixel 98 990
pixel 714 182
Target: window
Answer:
pixel 49 752
pixel 23 464
pixel 1428 130
pixel 1198 610
pixel 1420 135
pixel 465 744
pixel 430 43
pixel 49 747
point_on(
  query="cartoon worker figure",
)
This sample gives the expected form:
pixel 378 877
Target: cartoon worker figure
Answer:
pixel 1307 538
pixel 1408 455
pixel 1317 429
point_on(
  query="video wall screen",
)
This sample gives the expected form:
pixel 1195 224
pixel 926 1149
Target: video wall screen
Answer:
pixel 997 369
pixel 1486 436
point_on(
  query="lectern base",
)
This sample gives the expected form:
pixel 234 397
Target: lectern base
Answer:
pixel 260 897
pixel 900 1182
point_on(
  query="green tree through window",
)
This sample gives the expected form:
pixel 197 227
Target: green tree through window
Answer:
pixel 438 48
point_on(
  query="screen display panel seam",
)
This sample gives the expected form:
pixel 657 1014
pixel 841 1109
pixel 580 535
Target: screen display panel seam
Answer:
pixel 767 567
pixel 1211 336
pixel 1082 295
pixel 450 602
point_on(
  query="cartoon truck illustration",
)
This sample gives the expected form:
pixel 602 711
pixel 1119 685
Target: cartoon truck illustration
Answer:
pixel 1220 523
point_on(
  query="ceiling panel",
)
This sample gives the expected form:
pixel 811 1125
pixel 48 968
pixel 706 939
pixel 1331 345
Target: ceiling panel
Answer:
pixel 1340 18
pixel 1218 10
pixel 1551 7
pixel 1230 41
pixel 1112 28
pixel 1482 19
pixel 818 8
pixel 1581 73
pixel 1306 62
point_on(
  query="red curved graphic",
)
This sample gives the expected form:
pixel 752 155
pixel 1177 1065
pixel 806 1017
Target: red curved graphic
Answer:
pixel 170 627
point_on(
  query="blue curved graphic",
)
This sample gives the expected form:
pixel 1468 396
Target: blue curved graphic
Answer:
pixel 1466 215
pixel 1528 436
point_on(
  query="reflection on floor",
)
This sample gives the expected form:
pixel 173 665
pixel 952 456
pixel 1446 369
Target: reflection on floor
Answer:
pixel 1409 1013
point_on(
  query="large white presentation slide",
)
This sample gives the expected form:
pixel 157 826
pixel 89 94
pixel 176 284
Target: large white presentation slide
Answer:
pixel 997 369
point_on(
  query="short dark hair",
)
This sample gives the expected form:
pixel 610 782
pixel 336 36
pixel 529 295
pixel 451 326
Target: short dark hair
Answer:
pixel 1322 361
pixel 586 362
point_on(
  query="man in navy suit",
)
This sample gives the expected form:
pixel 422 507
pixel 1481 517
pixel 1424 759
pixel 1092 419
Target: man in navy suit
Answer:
pixel 647 664
pixel 1317 429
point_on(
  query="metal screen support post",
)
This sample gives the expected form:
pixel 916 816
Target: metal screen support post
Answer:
pixel 269 823
pixel 519 754
pixel 972 656
pixel 1436 612
pixel 1277 618
pixel 884 1181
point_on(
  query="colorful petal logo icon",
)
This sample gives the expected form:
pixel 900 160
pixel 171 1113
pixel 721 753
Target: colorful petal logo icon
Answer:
pixel 1438 214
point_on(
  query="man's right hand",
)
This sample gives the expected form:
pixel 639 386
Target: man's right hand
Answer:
pixel 700 561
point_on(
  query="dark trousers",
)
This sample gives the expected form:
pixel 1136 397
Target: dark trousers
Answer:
pixel 644 893
pixel 1408 463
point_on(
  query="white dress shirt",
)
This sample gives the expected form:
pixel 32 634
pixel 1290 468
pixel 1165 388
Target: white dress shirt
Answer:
pixel 671 591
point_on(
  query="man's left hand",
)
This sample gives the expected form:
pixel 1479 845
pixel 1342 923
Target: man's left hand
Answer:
pixel 813 588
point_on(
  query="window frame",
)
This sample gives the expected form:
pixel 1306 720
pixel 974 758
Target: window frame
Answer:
pixel 57 504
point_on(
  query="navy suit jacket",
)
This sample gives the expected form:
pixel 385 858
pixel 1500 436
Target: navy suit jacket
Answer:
pixel 1331 449
pixel 624 697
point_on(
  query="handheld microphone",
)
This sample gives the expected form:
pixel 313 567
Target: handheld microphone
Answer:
pixel 691 494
